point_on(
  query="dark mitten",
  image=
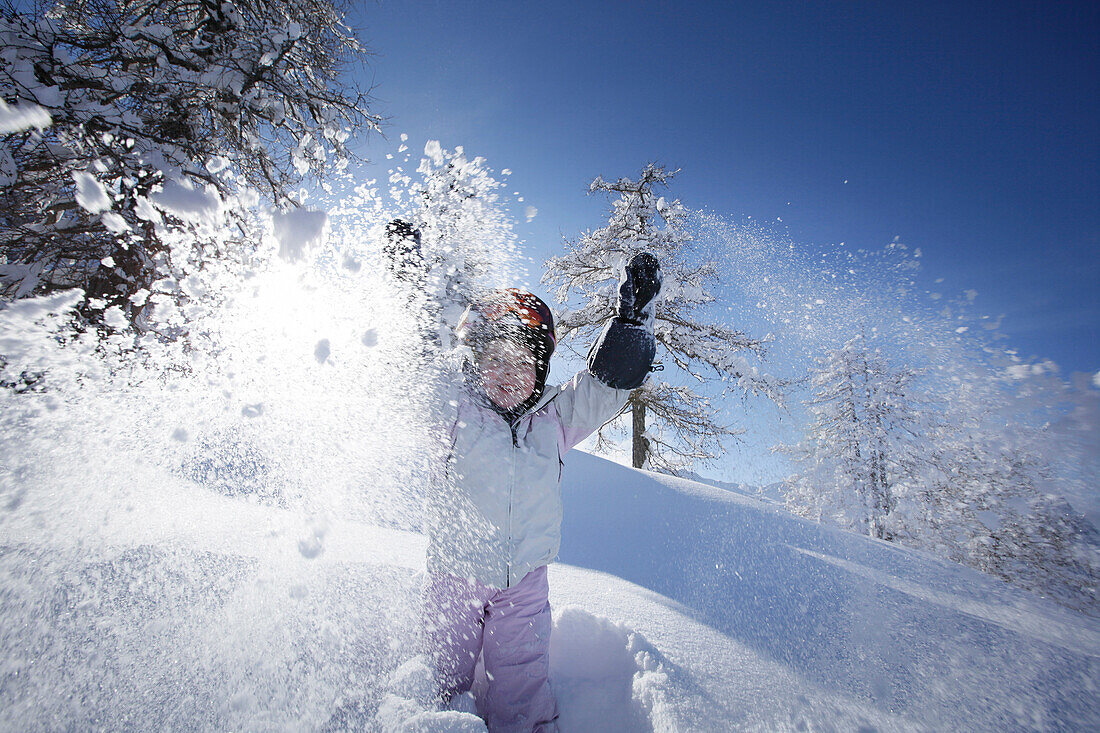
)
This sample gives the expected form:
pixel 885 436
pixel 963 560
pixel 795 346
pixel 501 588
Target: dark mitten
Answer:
pixel 623 353
pixel 641 284
pixel 402 250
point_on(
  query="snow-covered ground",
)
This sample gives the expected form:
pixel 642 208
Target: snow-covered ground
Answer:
pixel 678 606
pixel 773 622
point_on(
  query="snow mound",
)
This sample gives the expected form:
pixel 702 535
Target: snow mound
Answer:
pixel 768 621
pixel 408 706
pixel 447 721
pixel 606 677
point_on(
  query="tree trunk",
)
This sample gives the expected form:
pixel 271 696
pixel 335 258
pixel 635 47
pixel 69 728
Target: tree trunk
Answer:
pixel 639 442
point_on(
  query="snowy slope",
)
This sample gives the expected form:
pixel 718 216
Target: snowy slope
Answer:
pixel 804 624
pixel 677 607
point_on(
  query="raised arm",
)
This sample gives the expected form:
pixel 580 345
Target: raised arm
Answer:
pixel 620 358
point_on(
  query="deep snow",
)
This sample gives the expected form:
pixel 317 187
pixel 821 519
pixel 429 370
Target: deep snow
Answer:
pixel 678 606
pixel 776 620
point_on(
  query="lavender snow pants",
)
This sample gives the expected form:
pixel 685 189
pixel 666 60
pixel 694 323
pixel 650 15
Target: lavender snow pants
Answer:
pixel 511 628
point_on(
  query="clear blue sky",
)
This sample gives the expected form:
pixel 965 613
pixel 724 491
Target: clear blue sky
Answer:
pixel 970 130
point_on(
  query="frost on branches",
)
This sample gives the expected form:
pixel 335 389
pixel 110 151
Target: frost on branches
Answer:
pixel 859 442
pixel 672 424
pixel 944 460
pixel 166 121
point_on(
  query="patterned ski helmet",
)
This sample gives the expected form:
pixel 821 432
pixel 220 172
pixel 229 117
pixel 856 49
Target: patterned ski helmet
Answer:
pixel 509 314
pixel 516 316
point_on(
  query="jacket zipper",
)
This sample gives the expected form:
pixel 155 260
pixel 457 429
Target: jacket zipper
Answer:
pixel 511 491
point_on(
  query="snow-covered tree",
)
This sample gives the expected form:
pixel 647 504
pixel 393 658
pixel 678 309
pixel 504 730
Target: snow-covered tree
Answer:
pixel 861 442
pixel 154 116
pixel 947 474
pixel 671 424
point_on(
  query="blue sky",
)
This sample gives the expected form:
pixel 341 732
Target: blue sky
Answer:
pixel 966 129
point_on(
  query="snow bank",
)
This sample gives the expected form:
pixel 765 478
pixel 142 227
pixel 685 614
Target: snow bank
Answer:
pixel 683 607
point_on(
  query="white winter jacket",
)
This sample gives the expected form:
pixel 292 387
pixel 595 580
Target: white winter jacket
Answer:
pixel 497 515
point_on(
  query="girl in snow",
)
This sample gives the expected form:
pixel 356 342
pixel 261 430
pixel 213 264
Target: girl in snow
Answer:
pixel 496 521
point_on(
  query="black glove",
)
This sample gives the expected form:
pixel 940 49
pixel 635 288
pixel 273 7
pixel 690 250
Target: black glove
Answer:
pixel 402 250
pixel 641 284
pixel 624 351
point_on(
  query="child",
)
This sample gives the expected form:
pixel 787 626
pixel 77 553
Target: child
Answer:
pixel 496 522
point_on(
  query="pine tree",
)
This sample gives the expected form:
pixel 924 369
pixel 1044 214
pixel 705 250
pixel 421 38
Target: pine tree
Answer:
pixel 670 424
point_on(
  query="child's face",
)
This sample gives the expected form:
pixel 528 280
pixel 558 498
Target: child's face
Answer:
pixel 507 373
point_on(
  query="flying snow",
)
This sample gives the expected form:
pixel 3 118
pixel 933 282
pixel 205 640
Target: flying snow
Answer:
pixel 114 222
pixel 183 200
pixel 322 351
pixel 298 232
pixel 434 151
pixel 22 117
pixel 249 533
pixel 90 193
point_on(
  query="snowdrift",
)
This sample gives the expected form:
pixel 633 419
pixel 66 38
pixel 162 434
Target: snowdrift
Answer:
pixel 677 607
pixel 776 622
